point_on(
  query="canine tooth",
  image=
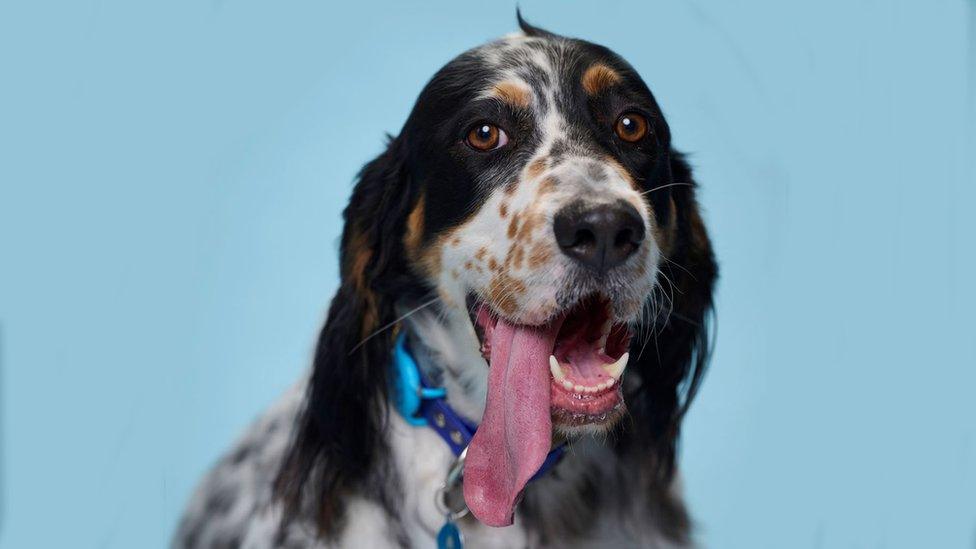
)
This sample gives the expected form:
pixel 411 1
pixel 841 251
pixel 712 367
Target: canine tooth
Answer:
pixel 617 368
pixel 568 385
pixel 557 371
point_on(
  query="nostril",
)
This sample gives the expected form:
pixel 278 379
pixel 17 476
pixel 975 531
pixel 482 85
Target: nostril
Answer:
pixel 583 237
pixel 571 230
pixel 631 233
pixel 624 238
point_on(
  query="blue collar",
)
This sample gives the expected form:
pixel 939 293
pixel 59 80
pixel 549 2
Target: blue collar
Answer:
pixel 421 404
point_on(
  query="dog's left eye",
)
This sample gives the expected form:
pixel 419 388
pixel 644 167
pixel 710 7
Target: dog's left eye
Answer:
pixel 631 127
pixel 486 137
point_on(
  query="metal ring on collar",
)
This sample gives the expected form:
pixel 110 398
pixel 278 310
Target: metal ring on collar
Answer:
pixel 451 482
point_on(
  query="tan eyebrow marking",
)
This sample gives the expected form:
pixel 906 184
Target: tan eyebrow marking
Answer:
pixel 598 78
pixel 513 93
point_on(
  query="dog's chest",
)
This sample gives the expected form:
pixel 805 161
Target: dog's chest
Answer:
pixel 423 459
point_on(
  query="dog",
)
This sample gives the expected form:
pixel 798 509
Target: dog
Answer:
pixel 534 241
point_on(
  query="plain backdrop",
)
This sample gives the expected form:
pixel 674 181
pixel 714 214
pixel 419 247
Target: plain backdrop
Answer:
pixel 171 179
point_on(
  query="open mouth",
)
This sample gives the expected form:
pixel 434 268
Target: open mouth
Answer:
pixel 586 361
pixel 564 373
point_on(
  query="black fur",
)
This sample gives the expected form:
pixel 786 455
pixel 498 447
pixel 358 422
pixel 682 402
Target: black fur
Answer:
pixel 672 362
pixel 338 443
pixel 338 447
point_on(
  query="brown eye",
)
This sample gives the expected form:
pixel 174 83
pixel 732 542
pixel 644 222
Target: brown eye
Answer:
pixel 631 127
pixel 485 137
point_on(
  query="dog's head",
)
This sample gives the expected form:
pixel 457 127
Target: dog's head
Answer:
pixel 534 203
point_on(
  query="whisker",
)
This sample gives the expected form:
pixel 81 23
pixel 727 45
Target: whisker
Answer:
pixel 646 328
pixel 647 338
pixel 665 186
pixel 678 265
pixel 667 317
pixel 394 323
pixel 684 318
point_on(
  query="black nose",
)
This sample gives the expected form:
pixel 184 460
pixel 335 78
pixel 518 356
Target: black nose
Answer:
pixel 599 237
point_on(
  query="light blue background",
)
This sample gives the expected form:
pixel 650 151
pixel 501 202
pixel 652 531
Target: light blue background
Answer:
pixel 171 177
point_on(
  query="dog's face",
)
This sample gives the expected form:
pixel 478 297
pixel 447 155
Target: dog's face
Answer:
pixel 538 160
pixel 531 209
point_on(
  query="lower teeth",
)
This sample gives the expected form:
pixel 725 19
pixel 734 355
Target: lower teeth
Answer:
pixel 569 386
pixel 614 370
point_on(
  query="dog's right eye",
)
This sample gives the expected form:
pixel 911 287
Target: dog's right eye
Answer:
pixel 486 137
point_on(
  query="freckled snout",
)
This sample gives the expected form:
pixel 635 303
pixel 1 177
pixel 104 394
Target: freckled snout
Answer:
pixel 599 237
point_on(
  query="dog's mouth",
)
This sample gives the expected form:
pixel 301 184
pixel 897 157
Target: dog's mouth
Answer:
pixel 586 361
pixel 565 372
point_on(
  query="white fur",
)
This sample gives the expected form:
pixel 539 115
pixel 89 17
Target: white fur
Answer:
pixel 422 459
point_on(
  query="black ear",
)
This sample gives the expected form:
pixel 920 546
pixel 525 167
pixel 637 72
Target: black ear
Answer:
pixel 671 360
pixel 337 440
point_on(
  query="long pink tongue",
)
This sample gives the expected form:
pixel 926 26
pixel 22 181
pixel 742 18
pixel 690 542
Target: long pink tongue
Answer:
pixel 516 431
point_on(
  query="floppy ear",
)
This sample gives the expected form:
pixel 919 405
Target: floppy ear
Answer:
pixel 337 439
pixel 671 364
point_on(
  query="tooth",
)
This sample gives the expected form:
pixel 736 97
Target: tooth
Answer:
pixel 604 332
pixel 557 371
pixel 568 385
pixel 617 368
pixel 579 389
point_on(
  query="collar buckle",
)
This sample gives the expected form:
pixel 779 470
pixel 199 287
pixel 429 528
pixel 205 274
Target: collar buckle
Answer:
pixel 407 388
